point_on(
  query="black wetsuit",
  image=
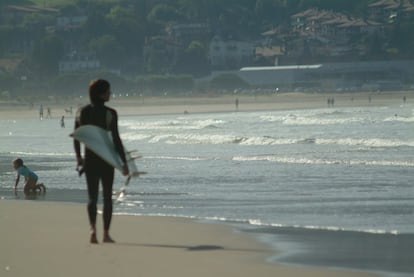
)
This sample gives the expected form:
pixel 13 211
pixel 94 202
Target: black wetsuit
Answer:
pixel 95 168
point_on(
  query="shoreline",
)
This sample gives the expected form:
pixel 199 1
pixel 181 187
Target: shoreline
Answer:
pixel 58 244
pixel 127 106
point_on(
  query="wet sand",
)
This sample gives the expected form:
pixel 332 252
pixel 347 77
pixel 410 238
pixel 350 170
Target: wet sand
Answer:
pixel 42 239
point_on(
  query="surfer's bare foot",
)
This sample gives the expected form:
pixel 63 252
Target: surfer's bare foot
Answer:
pixel 93 238
pixel 107 238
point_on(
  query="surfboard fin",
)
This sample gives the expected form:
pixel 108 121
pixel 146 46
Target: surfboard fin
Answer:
pixel 127 180
pixel 80 170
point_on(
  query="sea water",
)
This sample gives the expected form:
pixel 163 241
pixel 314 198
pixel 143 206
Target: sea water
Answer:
pixel 331 186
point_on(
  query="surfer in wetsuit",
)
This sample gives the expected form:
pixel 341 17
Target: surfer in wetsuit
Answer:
pixel 96 169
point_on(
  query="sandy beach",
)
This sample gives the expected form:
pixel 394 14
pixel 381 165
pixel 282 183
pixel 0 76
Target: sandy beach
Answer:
pixel 51 239
pixel 202 104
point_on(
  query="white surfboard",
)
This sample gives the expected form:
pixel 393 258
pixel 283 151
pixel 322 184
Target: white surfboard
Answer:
pixel 99 141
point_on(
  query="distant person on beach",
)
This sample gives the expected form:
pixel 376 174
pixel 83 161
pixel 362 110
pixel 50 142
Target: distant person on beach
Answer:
pixel 237 104
pixel 96 169
pixel 30 184
pixel 62 121
pixel 41 111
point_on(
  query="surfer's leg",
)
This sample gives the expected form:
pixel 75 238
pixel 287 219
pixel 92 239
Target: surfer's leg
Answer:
pixel 92 180
pixel 107 184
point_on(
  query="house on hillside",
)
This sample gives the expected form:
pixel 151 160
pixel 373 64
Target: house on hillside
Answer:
pixel 67 23
pixel 270 48
pixel 269 54
pixel 230 54
pixel 10 65
pixel 15 13
pixel 327 33
pixel 183 34
pixel 24 9
pixel 387 10
pixel 167 48
pixel 159 50
pixel 79 62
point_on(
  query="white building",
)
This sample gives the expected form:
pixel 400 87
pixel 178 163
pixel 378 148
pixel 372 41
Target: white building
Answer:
pixel 79 62
pixel 70 22
pixel 228 54
pixel 384 75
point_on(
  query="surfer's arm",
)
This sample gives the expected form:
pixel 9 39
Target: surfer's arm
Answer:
pixel 77 147
pixel 118 143
pixel 117 139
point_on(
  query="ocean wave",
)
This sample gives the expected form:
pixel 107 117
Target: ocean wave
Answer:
pixel 321 121
pixel 169 125
pixel 211 139
pixel 304 160
pixel 40 154
pixel 368 142
pixel 176 158
pixel 334 117
pixel 313 118
pixel 142 193
pixel 275 228
pixel 214 139
pixel 194 139
pixel 258 226
pixel 397 118
pixel 134 136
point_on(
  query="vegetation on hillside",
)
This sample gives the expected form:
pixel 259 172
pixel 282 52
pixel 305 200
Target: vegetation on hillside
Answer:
pixel 131 35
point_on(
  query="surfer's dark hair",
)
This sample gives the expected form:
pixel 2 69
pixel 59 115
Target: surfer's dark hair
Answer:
pixel 97 88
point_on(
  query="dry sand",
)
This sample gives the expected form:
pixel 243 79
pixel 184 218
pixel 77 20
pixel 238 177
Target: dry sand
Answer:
pixel 40 239
pixel 214 103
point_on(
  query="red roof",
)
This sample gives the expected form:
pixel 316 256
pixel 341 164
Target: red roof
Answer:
pixel 30 9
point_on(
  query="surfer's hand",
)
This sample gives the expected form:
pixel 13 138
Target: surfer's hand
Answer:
pixel 125 170
pixel 79 160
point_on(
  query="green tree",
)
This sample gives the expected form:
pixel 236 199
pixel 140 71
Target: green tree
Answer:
pixel 270 13
pixel 228 81
pixel 46 54
pixel 163 13
pixel 201 9
pixel 155 57
pixel 6 34
pixel 97 24
pixel 127 28
pixel 193 60
pixel 109 51
pixel 15 2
